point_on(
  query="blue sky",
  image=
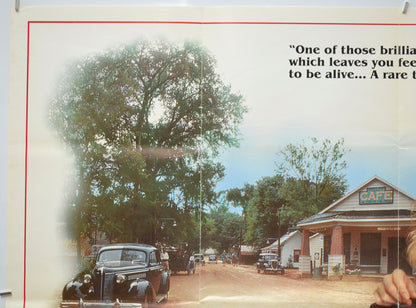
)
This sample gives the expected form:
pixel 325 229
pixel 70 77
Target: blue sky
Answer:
pixel 248 167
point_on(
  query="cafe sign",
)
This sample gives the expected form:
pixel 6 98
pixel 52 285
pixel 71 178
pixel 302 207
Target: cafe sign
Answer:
pixel 376 195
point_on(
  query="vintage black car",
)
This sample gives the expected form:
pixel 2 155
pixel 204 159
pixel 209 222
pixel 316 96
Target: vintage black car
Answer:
pixel 270 262
pixel 199 258
pixel 123 276
pixel 180 262
pixel 212 258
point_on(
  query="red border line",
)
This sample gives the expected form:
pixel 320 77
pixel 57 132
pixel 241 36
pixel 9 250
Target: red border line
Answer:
pixel 141 22
pixel 219 23
pixel 26 158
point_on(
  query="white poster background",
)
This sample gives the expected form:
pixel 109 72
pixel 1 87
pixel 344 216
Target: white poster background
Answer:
pixel 374 116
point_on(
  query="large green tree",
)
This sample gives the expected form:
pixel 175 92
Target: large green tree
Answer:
pixel 263 212
pixel 240 197
pixel 309 177
pixel 144 121
pixel 314 177
pixel 223 230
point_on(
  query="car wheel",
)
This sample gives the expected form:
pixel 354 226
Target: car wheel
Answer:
pixel 148 298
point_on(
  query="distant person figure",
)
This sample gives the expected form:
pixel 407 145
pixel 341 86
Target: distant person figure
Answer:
pixel 397 287
pixel 224 257
pixel 235 259
pixel 164 256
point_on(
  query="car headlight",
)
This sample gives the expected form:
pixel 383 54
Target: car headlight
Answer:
pixel 120 278
pixel 87 278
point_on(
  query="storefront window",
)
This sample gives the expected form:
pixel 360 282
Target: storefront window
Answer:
pixel 370 248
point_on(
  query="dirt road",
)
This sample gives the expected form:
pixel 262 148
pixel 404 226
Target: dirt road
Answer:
pixel 218 285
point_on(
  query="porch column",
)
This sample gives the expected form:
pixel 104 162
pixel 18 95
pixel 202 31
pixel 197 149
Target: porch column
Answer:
pixel 336 258
pixel 304 249
pixel 305 258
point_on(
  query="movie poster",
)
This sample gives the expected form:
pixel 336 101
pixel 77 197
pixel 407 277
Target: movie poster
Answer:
pixel 222 136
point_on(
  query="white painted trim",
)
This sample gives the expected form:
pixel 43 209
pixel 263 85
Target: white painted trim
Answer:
pixel 411 221
pixel 395 188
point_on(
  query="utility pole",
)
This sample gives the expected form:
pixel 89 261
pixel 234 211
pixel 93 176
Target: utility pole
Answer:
pixel 278 231
pixel 239 248
pixel 279 211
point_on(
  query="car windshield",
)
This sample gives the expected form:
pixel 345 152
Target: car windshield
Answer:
pixel 122 256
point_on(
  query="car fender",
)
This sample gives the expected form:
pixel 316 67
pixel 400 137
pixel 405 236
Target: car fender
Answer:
pixel 75 290
pixel 138 290
pixel 165 278
pixel 164 283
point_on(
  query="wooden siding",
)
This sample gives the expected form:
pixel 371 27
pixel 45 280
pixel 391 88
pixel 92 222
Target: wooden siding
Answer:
pixel 352 203
pixel 292 243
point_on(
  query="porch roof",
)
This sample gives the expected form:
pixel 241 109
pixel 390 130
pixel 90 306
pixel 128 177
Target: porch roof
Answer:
pixel 358 216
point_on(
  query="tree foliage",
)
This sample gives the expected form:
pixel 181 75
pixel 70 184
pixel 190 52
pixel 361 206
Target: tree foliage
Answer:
pixel 264 210
pixel 240 197
pixel 314 177
pixel 309 177
pixel 222 229
pixel 143 121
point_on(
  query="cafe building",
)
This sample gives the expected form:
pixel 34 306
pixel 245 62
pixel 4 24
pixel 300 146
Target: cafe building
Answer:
pixel 367 228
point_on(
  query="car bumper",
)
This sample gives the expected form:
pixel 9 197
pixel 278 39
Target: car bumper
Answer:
pixel 275 270
pixel 94 304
